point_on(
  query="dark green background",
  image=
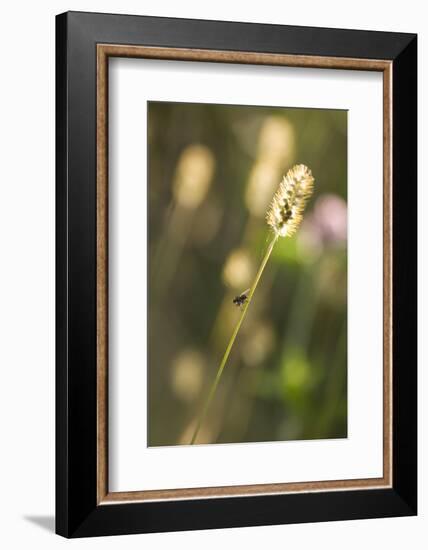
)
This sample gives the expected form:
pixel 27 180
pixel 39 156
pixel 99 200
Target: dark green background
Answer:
pixel 286 377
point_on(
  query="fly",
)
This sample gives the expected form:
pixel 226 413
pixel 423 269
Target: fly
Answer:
pixel 241 298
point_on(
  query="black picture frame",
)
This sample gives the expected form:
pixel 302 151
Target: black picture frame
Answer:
pixel 78 513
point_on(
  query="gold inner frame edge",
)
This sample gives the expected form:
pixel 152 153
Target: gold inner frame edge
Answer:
pixel 104 51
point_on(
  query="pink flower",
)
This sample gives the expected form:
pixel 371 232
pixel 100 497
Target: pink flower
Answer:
pixel 326 225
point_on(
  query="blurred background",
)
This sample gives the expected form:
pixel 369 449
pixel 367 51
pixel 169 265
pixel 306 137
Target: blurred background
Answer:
pixel 213 170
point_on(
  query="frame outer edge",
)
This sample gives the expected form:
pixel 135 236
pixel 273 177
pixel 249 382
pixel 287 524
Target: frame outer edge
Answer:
pixel 77 513
pixel 405 274
pixel 61 268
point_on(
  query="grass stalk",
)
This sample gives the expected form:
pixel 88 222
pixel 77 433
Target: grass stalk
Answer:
pixel 220 370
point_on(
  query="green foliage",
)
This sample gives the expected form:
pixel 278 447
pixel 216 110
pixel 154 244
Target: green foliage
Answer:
pixel 287 372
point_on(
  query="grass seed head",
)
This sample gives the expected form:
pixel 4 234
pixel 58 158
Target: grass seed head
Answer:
pixel 286 210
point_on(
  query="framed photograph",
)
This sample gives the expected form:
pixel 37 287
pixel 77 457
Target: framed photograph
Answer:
pixel 236 274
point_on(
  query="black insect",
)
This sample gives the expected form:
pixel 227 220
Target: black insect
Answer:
pixel 241 298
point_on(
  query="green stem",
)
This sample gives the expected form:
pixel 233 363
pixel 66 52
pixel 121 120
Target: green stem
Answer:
pixel 232 340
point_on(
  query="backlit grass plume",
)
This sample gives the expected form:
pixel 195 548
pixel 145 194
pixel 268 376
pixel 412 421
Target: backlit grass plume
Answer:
pixel 286 210
pixel 283 216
